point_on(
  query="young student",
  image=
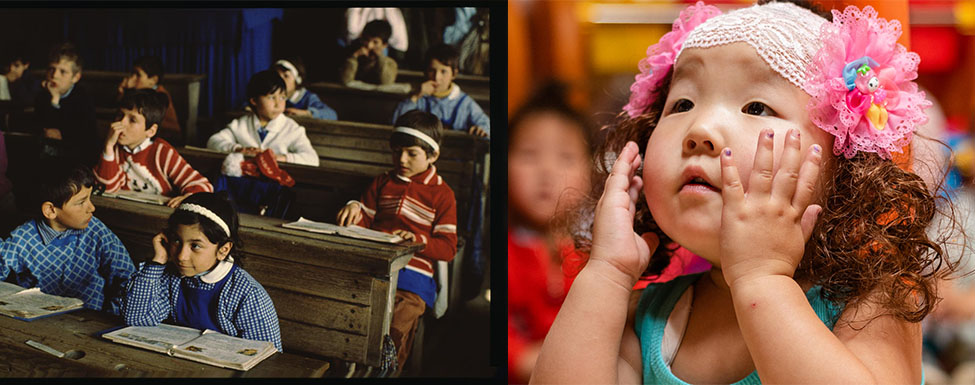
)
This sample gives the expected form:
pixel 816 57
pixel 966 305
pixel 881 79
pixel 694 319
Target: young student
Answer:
pixel 414 202
pixel 64 110
pixel 301 101
pixel 65 250
pixel 442 97
pixel 822 271
pixel 265 126
pixel 147 73
pixel 366 60
pixel 195 280
pixel 549 166
pixel 133 159
pixel 12 68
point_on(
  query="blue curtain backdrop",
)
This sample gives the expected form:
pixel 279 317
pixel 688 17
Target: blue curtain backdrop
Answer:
pixel 227 45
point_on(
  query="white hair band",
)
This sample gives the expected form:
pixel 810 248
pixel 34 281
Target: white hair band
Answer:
pixel 419 134
pixel 195 208
pixel 291 68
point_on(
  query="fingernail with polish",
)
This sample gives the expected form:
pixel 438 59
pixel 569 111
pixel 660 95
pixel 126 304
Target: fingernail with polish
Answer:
pixel 727 152
pixel 816 148
pixel 770 134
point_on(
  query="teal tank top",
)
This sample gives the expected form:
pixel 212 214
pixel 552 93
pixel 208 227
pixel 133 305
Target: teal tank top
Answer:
pixel 656 303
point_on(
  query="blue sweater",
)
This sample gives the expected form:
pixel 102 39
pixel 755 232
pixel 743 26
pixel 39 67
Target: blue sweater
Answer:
pixel 458 111
pixel 89 264
pixel 244 308
pixel 311 102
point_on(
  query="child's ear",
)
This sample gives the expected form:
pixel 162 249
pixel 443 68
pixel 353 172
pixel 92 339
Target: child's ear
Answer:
pixel 76 78
pixel 152 130
pixel 224 251
pixel 47 209
pixel 433 158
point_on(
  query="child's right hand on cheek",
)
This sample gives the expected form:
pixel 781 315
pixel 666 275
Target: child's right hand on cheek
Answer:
pixel 614 243
pixel 112 138
pixel 159 245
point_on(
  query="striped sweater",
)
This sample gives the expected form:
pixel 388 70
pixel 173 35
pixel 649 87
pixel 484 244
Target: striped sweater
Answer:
pixel 153 167
pixel 422 204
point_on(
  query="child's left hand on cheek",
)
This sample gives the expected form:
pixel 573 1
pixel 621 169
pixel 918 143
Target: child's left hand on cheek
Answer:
pixel 764 231
pixel 405 235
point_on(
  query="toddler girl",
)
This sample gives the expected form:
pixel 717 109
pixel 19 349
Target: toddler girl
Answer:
pixel 193 280
pixel 822 268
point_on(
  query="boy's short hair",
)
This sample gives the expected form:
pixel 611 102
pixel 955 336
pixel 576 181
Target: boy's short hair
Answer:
pixel 263 83
pixel 299 65
pixel 68 52
pixel 445 54
pixel 422 121
pixel 152 65
pixel 57 182
pixel 149 103
pixel 377 28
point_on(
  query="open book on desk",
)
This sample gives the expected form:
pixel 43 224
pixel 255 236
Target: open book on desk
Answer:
pixel 209 347
pixel 138 196
pixel 31 304
pixel 352 231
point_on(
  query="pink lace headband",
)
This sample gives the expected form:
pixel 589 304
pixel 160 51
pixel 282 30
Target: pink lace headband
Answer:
pixel 858 77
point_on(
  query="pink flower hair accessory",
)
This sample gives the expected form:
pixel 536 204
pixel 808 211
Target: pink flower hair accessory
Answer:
pixel 861 85
pixel 660 57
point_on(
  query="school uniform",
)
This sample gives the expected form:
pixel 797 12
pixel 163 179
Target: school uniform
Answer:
pixel 457 111
pixel 74 116
pixel 307 100
pixel 226 299
pixel 153 166
pixel 90 264
pixel 282 135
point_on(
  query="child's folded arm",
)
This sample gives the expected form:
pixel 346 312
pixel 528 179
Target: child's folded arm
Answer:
pixel 479 118
pixel 108 172
pixel 115 265
pixel 256 319
pixel 349 69
pixel 301 150
pixel 442 242
pixel 182 175
pixel 145 302
pixel 319 109
pixel 223 141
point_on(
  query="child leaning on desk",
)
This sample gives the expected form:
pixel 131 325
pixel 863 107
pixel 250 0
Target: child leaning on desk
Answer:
pixel 193 280
pixel 133 159
pixel 65 250
pixel 265 126
pixel 414 202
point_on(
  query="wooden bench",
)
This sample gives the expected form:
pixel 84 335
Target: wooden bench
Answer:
pixel 369 106
pixel 184 89
pixel 333 295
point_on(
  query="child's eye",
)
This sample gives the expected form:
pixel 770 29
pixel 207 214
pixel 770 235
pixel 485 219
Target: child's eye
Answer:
pixel 196 246
pixel 683 105
pixel 758 108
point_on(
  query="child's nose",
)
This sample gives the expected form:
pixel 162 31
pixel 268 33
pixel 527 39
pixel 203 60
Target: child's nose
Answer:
pixel 703 138
pixel 184 253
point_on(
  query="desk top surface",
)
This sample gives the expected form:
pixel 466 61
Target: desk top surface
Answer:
pixel 78 334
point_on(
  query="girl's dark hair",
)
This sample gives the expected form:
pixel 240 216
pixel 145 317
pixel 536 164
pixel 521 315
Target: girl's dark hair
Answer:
pixel 149 103
pixel 263 83
pixel 870 238
pixel 221 205
pixel 299 65
pixel 418 120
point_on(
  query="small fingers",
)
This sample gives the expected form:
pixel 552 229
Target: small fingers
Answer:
pixel 731 189
pixel 784 183
pixel 808 177
pixel 808 221
pixel 623 169
pixel 760 180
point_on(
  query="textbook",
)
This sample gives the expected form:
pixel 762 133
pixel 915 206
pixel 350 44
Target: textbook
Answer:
pixel 352 231
pixel 138 196
pixel 31 304
pixel 207 346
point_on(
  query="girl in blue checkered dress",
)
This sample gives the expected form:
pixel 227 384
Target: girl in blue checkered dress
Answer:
pixel 193 280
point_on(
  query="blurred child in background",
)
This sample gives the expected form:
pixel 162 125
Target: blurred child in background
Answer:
pixel 367 60
pixel 65 111
pixel 301 101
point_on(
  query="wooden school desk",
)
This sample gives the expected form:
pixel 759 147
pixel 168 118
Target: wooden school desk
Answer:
pixel 333 295
pixel 88 355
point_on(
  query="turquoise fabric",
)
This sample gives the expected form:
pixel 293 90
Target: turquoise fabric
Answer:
pixel 655 306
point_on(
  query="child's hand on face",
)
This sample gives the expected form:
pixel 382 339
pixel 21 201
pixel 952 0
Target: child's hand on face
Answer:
pixel 175 201
pixel 52 88
pixel 159 245
pixel 406 235
pixel 112 138
pixel 764 231
pixel 350 214
pixel 362 51
pixel 477 131
pixel 427 88
pixel 614 243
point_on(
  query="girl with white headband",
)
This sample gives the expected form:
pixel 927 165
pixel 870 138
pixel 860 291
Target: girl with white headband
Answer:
pixel 766 138
pixel 301 101
pixel 195 280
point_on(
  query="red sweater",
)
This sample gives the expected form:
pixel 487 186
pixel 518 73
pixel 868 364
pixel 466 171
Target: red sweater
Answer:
pixel 156 169
pixel 423 205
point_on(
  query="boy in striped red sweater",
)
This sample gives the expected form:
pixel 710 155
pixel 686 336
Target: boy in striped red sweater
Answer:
pixel 133 160
pixel 412 201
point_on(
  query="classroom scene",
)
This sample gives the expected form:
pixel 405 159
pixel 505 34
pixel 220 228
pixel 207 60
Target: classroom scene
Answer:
pixel 246 192
pixel 811 220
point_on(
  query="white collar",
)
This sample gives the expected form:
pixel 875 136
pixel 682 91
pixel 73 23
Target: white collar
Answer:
pixel 272 124
pixel 454 92
pixel 142 146
pixel 297 95
pixel 218 272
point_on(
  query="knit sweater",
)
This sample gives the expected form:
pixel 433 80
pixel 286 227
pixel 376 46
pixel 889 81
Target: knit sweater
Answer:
pixel 90 264
pixel 244 308
pixel 153 167
pixel 422 204
pixel 458 111
pixel 285 136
